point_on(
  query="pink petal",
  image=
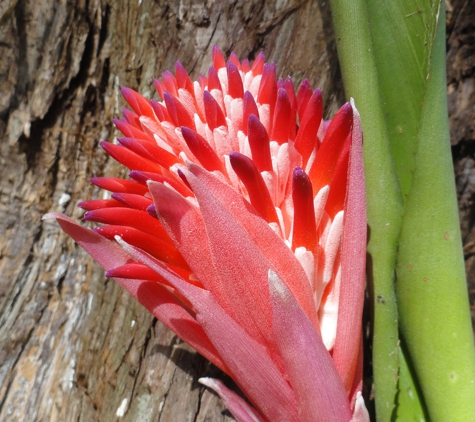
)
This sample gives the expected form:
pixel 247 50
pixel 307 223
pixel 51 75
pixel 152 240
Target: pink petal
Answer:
pixel 108 254
pixel 280 257
pixel 353 264
pixel 250 365
pixel 185 226
pixel 240 264
pixel 318 388
pixel 165 307
pixel 151 295
pixel 240 409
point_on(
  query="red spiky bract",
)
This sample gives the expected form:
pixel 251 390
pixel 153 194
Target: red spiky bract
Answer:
pixel 224 236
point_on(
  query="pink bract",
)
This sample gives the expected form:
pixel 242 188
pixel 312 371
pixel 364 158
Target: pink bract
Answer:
pixel 243 229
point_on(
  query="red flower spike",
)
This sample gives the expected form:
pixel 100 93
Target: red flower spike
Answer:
pixel 304 94
pixel 131 118
pixel 215 235
pixel 213 80
pixel 132 200
pixel 137 219
pixel 259 196
pixel 178 112
pixel 203 81
pixel 289 88
pixel 235 88
pixel 202 150
pixel 282 115
pixel 304 230
pixel 135 146
pixel 157 247
pixel 218 58
pixel 131 131
pixel 258 64
pixel 183 80
pixel 259 144
pixel 336 198
pixel 160 87
pixel 142 272
pixel 158 110
pixel 323 168
pixel 136 270
pixel 246 66
pixel 128 158
pixel 96 204
pixel 249 107
pixel 306 140
pixel 214 115
pixel 233 58
pixel 151 151
pixel 152 210
pixel 182 176
pixel 164 110
pixel 268 87
pixel 139 104
pixel 114 184
pixel 144 176
pixel 170 83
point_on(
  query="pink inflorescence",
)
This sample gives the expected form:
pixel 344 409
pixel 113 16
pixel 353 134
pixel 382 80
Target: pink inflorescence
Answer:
pixel 243 229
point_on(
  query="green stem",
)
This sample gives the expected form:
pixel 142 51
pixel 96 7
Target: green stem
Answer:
pixel 410 406
pixel 383 197
pixel 431 286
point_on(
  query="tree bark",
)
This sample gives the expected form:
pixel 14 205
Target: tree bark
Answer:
pixel 73 345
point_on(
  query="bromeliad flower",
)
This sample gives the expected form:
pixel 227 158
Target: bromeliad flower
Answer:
pixel 244 233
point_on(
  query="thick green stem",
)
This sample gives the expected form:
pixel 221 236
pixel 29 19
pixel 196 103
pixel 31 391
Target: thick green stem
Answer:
pixel 431 286
pixel 410 406
pixel 384 202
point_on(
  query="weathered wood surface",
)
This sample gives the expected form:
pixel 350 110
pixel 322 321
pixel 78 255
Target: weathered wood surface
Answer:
pixel 73 345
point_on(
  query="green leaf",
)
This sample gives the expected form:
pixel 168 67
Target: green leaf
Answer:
pixel 402 32
pixel 431 286
pixel 360 77
pixel 410 406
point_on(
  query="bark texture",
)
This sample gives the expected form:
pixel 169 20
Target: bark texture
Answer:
pixel 73 345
